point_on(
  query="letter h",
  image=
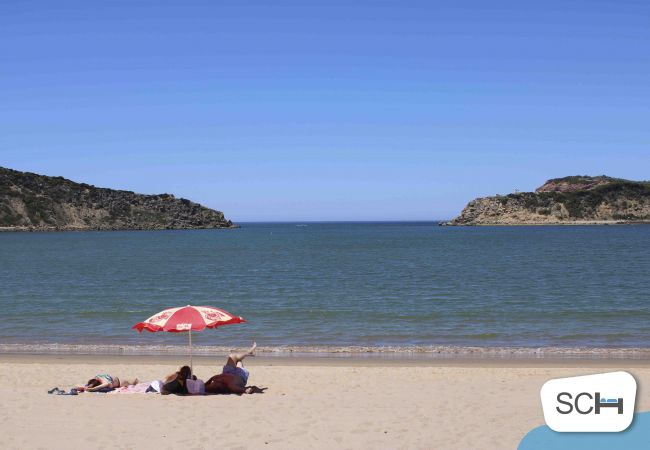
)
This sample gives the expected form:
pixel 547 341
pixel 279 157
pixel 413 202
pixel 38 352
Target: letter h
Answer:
pixel 618 404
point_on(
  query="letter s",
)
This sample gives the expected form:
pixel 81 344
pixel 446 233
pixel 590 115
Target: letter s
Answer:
pixel 559 399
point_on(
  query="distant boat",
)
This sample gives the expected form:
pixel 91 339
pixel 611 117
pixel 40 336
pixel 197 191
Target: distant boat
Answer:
pixel 302 225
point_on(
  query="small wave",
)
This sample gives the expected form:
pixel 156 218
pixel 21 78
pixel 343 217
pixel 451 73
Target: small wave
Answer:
pixel 433 351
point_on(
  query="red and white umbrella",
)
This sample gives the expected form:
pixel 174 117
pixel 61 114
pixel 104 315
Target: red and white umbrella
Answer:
pixel 188 318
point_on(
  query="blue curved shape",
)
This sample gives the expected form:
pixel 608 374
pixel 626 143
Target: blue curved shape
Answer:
pixel 637 436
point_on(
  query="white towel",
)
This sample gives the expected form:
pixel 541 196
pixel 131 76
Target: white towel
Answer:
pixel 157 385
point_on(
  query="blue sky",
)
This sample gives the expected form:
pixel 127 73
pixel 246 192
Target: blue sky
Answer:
pixel 334 110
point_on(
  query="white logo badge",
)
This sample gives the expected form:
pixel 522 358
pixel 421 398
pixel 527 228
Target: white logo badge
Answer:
pixel 602 402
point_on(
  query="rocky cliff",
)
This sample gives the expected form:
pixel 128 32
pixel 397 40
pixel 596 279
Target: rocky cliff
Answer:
pixel 40 203
pixel 569 200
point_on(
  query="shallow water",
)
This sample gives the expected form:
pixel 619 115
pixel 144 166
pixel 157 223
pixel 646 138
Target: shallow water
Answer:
pixel 335 284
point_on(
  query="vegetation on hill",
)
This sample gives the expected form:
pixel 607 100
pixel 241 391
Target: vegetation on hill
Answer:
pixel 38 202
pixel 564 200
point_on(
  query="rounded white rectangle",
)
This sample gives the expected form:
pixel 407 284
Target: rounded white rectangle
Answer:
pixel 602 402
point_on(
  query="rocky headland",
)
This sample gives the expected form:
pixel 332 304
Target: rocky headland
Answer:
pixel 32 202
pixel 574 200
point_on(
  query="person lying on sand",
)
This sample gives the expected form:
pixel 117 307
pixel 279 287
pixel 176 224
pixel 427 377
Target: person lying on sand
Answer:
pixel 176 383
pixel 103 381
pixel 233 378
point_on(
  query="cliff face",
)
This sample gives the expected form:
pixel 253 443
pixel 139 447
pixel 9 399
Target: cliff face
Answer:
pixel 35 202
pixel 570 200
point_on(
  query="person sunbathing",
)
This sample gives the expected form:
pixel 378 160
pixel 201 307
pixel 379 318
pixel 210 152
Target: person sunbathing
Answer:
pixel 176 383
pixel 234 376
pixel 105 381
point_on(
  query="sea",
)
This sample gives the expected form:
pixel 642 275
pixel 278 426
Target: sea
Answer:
pixel 407 287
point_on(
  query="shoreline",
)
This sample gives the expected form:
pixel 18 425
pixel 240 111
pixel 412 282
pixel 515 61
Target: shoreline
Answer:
pixel 23 229
pixel 545 224
pixel 305 360
pixel 426 353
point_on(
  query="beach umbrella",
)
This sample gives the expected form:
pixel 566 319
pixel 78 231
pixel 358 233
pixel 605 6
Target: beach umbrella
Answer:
pixel 187 318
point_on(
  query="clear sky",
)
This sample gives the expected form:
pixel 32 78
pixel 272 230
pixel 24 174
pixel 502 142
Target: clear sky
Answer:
pixel 325 110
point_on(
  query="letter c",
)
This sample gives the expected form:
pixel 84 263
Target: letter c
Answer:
pixel 591 408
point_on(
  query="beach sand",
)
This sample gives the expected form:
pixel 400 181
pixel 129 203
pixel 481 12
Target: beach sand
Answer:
pixel 311 403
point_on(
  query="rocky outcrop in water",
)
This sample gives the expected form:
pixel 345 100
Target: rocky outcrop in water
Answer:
pixel 569 200
pixel 40 203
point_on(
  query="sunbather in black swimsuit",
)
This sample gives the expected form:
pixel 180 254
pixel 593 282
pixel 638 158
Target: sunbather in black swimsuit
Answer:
pixel 175 386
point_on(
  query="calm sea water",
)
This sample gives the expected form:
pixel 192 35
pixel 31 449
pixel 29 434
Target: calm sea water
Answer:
pixel 335 284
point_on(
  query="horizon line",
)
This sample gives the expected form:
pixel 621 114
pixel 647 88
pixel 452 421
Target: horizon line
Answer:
pixel 346 221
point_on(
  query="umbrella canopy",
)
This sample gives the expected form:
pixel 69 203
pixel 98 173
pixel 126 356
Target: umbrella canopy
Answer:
pixel 188 318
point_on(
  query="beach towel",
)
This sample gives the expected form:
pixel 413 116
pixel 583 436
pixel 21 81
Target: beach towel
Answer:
pixel 156 386
pixel 140 388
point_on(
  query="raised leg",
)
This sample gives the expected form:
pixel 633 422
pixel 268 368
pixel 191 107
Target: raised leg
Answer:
pixel 235 358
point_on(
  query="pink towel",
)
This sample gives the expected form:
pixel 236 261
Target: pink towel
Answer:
pixel 139 388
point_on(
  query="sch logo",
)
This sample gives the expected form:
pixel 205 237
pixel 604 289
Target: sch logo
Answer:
pixel 565 398
pixel 577 403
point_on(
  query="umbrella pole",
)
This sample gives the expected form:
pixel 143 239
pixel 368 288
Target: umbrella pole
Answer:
pixel 191 366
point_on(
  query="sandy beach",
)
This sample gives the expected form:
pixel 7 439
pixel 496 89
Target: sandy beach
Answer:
pixel 310 403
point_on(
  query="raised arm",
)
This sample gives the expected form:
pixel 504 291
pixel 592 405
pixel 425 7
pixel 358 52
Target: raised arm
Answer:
pixel 105 384
pixel 170 377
